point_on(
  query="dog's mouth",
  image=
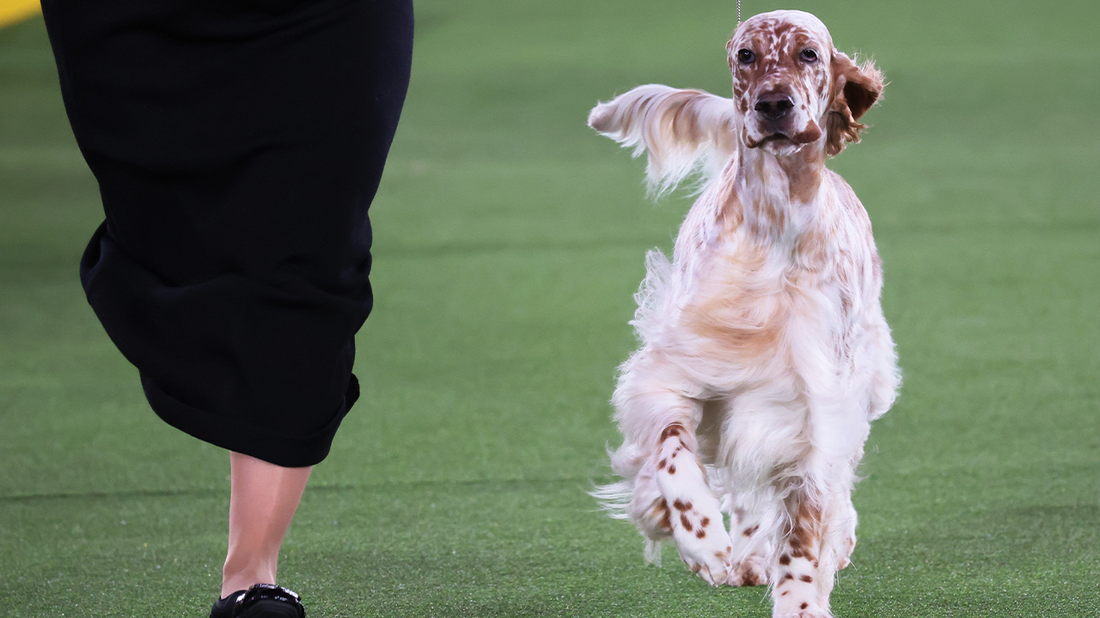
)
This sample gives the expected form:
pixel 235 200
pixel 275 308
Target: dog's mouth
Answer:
pixel 779 139
pixel 775 137
pixel 806 136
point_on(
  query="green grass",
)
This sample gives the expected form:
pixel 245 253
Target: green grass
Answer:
pixel 509 241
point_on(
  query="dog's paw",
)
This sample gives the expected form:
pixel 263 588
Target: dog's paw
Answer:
pixel 845 557
pixel 750 572
pixel 702 541
pixel 846 545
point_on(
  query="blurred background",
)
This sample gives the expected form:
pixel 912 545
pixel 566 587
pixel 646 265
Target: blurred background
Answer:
pixel 509 239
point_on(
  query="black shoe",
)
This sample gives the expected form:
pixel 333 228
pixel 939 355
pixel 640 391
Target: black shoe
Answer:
pixel 260 601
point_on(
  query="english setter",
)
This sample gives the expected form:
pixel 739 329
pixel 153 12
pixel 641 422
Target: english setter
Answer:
pixel 765 355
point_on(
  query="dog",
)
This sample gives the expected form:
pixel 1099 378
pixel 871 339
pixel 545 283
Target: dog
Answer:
pixel 764 351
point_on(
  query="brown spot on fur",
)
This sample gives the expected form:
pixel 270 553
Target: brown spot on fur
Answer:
pixel 695 568
pixel 662 505
pixel 812 249
pixel 804 172
pixel 666 520
pixel 805 531
pixel 704 522
pixel 661 464
pixel 784 560
pixel 750 531
pixel 784 593
pixel 788 576
pixel 806 578
pixel 700 533
pixel 803 606
pixel 672 430
pixel 681 506
pixel 672 469
pixel 685 523
pixel 775 218
pixel 750 579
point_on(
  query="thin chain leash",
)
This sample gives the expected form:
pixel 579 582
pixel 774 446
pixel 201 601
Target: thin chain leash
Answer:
pixel 738 12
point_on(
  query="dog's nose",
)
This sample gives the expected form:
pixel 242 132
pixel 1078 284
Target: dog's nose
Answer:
pixel 774 105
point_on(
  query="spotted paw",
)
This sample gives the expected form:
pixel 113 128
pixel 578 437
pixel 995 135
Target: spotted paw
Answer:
pixel 750 572
pixel 702 542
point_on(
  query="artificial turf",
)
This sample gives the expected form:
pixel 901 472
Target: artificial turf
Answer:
pixel 509 239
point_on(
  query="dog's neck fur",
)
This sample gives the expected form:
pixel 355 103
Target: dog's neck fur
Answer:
pixel 776 192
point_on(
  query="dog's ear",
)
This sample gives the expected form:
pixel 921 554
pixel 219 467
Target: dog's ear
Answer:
pixel 856 87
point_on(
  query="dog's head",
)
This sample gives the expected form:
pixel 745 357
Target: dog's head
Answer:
pixel 791 86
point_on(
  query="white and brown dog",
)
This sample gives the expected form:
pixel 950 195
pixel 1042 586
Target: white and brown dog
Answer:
pixel 765 355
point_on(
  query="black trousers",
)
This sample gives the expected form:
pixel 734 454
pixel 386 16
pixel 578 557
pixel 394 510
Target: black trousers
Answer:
pixel 238 145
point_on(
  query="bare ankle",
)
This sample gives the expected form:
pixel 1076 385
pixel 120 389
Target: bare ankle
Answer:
pixel 237 579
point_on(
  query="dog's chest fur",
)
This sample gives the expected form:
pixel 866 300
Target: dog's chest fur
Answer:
pixel 766 273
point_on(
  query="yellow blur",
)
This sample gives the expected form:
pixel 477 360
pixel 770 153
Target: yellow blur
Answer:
pixel 12 11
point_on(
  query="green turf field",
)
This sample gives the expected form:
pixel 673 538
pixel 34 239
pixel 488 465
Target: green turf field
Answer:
pixel 509 239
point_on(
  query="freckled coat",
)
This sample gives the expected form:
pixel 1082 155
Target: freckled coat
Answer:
pixel 763 338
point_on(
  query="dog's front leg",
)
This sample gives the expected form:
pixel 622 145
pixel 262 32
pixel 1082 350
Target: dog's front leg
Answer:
pixel 689 509
pixel 750 549
pixel 803 577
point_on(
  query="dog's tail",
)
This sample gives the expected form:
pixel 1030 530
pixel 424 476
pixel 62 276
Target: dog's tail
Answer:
pixel 683 130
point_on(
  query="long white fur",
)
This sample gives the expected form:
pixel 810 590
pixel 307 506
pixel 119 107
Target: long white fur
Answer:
pixel 779 427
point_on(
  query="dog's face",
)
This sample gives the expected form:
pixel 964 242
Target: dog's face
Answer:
pixel 781 79
pixel 789 82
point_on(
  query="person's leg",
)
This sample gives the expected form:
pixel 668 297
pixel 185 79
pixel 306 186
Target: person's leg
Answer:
pixel 263 499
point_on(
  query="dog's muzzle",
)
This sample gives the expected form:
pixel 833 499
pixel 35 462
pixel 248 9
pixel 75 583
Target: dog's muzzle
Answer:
pixel 778 119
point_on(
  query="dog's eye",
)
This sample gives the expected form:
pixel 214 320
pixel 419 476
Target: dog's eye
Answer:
pixel 745 56
pixel 808 56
